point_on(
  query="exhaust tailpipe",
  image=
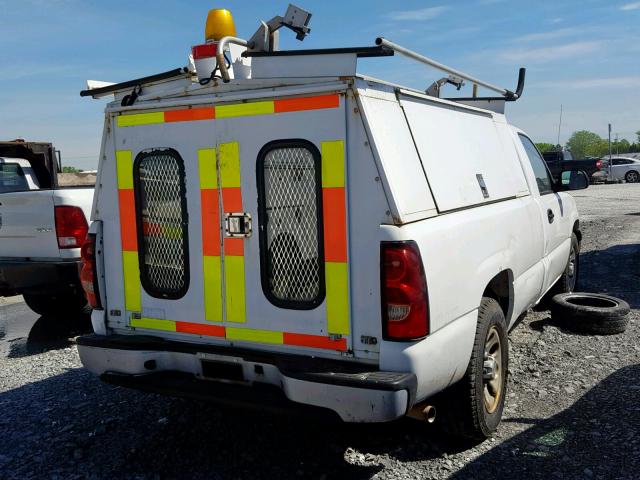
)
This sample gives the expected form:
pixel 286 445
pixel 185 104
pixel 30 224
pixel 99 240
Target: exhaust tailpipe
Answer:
pixel 425 413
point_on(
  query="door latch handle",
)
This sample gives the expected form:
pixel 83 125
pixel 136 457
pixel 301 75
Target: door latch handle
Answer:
pixel 550 215
pixel 237 224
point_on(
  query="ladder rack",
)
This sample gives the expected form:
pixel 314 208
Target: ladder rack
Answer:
pixel 507 95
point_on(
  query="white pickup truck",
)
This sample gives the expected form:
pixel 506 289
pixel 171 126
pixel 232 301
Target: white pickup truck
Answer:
pixel 320 236
pixel 42 228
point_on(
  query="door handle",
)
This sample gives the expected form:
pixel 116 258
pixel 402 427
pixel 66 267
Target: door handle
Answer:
pixel 550 215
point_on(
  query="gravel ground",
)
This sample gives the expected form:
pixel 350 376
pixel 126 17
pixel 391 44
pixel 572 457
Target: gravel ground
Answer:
pixel 572 409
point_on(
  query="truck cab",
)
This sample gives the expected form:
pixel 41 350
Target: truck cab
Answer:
pixel 300 232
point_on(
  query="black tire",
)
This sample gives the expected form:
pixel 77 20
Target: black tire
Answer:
pixel 467 415
pixel 632 177
pixel 51 305
pixel 590 313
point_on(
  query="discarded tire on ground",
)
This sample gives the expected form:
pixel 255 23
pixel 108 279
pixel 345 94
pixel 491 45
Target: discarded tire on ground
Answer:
pixel 590 313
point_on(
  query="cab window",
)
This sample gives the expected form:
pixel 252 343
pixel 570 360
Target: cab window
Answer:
pixel 12 178
pixel 543 177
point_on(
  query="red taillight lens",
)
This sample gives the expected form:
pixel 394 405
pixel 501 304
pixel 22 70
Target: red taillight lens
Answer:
pixel 88 272
pixel 599 164
pixel 405 310
pixel 71 226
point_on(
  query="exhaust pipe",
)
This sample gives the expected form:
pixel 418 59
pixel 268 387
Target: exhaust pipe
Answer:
pixel 422 412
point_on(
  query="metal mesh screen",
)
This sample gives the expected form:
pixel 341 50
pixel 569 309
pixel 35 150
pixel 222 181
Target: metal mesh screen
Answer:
pixel 161 197
pixel 292 233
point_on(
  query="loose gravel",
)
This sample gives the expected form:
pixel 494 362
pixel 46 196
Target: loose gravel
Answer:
pixel 573 408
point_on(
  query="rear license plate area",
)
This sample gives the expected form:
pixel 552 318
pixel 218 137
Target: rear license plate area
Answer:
pixel 214 370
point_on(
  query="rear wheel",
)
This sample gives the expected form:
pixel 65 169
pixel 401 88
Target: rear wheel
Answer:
pixel 473 407
pixel 632 177
pixel 64 303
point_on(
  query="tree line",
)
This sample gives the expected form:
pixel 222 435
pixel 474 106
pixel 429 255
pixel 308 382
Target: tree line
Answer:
pixel 589 144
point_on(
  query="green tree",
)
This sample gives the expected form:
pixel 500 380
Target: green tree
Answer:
pixel 69 169
pixel 583 143
pixel 545 147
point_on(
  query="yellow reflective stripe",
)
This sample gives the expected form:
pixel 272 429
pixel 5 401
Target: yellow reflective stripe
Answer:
pixel 337 295
pixel 131 277
pixel 135 119
pixel 234 288
pixel 154 324
pixel 250 335
pixel 229 164
pixel 333 164
pixel 212 288
pixel 207 168
pixel 245 109
pixel 124 169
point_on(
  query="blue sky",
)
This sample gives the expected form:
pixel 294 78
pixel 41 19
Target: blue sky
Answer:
pixel 584 54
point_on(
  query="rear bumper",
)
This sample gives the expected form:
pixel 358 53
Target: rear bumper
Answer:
pixel 30 276
pixel 356 393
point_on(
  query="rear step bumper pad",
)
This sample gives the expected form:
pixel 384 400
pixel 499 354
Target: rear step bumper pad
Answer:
pixel 354 392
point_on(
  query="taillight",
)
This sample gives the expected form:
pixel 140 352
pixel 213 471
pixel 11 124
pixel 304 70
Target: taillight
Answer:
pixel 88 272
pixel 599 164
pixel 405 309
pixel 71 226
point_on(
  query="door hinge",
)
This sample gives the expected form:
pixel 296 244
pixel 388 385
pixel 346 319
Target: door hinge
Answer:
pixel 237 224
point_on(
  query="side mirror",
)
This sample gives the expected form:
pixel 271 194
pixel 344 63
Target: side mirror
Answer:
pixel 573 180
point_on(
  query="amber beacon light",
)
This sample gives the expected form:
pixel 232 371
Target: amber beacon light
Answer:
pixel 219 24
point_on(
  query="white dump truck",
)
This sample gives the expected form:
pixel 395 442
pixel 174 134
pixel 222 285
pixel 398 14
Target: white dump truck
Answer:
pixel 278 226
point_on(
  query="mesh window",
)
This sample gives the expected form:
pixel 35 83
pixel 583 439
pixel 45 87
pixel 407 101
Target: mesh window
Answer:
pixel 162 225
pixel 291 225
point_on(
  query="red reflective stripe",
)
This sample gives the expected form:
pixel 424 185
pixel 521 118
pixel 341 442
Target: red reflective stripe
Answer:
pixel 200 329
pixel 335 224
pixel 232 199
pixel 306 103
pixel 190 114
pixel 314 341
pixel 128 234
pixel 234 246
pixel 210 222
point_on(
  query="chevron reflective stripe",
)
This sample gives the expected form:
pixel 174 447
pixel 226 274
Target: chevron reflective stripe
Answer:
pixel 237 334
pixel 335 237
pixel 210 219
pixel 128 232
pixel 266 107
pixel 234 274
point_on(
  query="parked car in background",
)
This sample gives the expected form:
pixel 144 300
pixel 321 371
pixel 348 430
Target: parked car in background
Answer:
pixel 42 227
pixel 623 168
pixel 560 160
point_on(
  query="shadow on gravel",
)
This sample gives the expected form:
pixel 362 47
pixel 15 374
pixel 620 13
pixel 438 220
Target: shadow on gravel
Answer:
pixel 50 333
pixel 74 425
pixel 615 271
pixel 598 437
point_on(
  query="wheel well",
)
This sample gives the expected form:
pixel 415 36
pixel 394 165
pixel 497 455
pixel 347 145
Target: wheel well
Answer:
pixel 500 288
pixel 576 230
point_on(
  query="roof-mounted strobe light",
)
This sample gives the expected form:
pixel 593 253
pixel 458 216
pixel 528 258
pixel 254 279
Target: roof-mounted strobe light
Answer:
pixel 219 24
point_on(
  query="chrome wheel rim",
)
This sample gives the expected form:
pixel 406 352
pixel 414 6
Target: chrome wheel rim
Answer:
pixel 492 371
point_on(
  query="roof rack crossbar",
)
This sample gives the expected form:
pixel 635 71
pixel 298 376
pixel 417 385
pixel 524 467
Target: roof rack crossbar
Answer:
pixel 507 94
